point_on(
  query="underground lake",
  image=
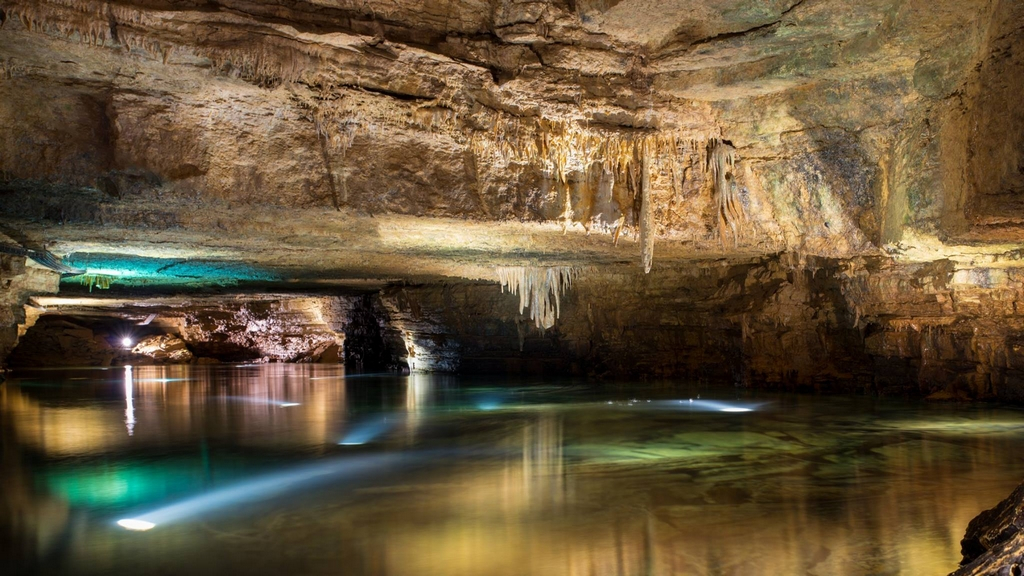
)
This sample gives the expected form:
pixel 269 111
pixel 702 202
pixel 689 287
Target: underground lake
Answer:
pixel 273 469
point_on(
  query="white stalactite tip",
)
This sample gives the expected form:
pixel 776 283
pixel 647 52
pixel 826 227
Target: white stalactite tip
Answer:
pixel 539 289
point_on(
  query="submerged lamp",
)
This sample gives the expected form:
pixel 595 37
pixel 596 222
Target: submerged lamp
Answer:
pixel 135 524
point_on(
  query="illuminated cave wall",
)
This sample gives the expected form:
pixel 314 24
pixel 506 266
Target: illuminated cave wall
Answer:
pixel 847 125
pixel 810 192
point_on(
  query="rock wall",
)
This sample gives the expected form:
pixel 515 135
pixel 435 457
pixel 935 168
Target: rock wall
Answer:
pixel 280 330
pixel 867 325
pixel 226 329
pixel 19 280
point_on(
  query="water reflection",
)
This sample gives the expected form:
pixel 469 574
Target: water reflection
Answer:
pixel 451 477
pixel 129 393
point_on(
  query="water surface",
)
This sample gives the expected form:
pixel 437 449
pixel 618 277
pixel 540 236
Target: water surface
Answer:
pixel 300 469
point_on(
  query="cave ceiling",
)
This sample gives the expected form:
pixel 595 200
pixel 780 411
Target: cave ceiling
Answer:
pixel 335 141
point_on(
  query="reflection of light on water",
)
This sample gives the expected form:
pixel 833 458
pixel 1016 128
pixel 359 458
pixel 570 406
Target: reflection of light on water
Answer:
pixel 261 401
pixel 129 411
pixel 958 426
pixel 417 392
pixel 368 430
pixel 352 376
pixel 259 488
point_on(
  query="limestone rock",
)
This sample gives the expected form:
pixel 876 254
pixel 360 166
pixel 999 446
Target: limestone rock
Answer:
pixel 165 348
pixel 56 342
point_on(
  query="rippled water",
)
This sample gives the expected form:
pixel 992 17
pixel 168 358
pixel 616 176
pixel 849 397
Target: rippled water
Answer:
pixel 286 469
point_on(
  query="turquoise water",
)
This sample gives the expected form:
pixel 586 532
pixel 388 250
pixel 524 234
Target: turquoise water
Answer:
pixel 300 469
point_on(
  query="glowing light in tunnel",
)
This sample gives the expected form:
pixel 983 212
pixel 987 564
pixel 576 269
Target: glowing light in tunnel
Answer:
pixel 288 404
pixel 260 488
pixel 126 342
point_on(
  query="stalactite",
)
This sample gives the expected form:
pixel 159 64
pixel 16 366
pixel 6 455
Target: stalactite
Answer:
pixel 101 281
pixel 646 212
pixel 721 163
pixel 539 289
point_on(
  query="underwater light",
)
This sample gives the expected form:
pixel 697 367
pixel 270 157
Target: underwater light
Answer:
pixel 126 342
pixel 368 430
pixel 133 524
pixel 698 405
pixel 288 404
pixel 264 487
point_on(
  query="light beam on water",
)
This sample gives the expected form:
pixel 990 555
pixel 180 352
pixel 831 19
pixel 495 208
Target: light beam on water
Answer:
pixel 262 487
pixel 367 430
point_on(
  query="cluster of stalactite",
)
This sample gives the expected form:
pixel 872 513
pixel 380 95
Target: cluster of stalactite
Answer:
pixel 89 21
pixel 101 281
pixel 580 158
pixel 267 62
pixel 539 288
pixel 721 164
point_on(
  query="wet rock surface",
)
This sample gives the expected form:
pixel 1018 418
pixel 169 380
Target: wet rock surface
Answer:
pixel 994 543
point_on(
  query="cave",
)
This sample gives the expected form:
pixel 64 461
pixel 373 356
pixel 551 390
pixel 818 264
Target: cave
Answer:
pixel 511 287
